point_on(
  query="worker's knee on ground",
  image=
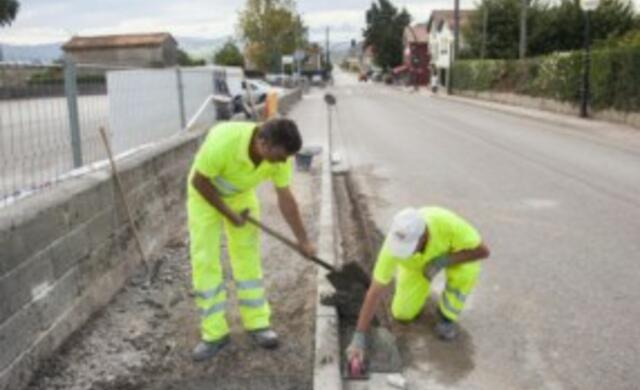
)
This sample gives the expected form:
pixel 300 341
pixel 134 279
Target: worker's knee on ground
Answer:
pixel 404 312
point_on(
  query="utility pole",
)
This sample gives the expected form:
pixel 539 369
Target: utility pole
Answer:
pixel 456 29
pixel 587 6
pixel 328 57
pixel 456 43
pixel 523 28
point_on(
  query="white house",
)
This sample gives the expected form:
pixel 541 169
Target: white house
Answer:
pixel 440 27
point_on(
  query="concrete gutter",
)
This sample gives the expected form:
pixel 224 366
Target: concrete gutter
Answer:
pixel 326 368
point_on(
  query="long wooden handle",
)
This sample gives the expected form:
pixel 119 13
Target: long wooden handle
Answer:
pixel 116 175
pixel 288 242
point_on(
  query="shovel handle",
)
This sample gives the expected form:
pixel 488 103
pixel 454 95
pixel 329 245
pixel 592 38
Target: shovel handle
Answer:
pixel 286 241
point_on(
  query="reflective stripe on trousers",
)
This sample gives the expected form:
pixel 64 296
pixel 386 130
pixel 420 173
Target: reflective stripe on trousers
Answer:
pixel 412 291
pixel 205 228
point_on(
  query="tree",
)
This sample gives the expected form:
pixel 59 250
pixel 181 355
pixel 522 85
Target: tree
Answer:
pixel 551 28
pixel 229 55
pixel 271 29
pixel 8 11
pixel 632 38
pixel 503 29
pixel 384 29
pixel 184 59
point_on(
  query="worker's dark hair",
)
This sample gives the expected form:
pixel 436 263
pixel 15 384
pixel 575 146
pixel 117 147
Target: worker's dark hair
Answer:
pixel 281 132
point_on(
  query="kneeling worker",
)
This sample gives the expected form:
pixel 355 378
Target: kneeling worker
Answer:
pixel 421 243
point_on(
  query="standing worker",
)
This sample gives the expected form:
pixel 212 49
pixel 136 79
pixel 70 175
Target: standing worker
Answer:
pixel 420 244
pixel 232 161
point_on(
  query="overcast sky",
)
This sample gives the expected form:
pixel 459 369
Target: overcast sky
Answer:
pixel 43 21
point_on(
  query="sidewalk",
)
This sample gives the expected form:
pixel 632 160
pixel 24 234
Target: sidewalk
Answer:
pixel 548 116
pixel 621 136
pixel 143 339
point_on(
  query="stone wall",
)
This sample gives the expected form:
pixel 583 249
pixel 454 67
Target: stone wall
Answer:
pixel 67 251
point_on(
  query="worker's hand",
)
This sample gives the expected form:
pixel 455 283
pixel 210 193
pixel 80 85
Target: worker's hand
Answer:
pixel 307 248
pixel 239 219
pixel 435 266
pixel 356 348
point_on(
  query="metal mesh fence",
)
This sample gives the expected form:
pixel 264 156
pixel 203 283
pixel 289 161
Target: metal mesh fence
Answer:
pixel 50 116
pixel 35 144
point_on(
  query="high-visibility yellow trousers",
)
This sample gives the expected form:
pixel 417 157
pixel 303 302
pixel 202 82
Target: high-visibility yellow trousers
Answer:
pixel 243 246
pixel 412 291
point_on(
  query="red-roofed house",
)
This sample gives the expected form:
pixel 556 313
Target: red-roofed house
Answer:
pixel 416 54
pixel 154 49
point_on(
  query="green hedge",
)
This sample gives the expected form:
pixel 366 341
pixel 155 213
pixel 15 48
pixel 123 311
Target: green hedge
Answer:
pixel 55 77
pixel 615 77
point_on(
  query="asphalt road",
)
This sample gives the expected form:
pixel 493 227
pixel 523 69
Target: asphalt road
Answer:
pixel 559 206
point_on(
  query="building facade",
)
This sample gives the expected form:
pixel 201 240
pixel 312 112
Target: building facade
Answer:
pixel 441 40
pixel 135 50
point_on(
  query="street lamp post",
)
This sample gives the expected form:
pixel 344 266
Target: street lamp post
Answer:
pixel 587 6
pixel 456 43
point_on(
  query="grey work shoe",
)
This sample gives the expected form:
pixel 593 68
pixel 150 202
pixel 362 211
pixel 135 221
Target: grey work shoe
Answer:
pixel 445 329
pixel 207 349
pixel 265 338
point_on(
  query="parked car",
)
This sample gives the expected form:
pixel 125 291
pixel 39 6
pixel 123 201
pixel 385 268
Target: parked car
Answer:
pixel 317 80
pixel 280 80
pixel 259 90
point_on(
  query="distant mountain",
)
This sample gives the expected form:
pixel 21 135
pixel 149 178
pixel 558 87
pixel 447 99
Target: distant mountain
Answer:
pixel 44 53
pixel 342 50
pixel 201 47
pixel 196 47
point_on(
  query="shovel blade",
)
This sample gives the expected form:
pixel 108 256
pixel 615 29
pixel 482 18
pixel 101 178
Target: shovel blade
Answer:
pixel 350 276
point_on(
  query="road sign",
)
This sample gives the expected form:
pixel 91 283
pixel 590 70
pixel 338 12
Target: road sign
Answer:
pixel 287 60
pixel 299 55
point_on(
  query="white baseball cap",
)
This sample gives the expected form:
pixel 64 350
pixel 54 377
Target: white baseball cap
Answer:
pixel 407 227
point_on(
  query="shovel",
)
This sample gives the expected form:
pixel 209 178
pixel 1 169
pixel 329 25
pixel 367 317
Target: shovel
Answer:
pixel 343 279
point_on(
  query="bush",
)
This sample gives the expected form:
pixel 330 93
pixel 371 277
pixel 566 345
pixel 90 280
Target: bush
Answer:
pixel 615 77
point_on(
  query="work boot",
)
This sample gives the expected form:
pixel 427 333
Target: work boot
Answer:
pixel 207 349
pixel 265 338
pixel 445 329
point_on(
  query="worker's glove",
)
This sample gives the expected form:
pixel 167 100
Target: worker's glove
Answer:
pixel 356 348
pixel 435 266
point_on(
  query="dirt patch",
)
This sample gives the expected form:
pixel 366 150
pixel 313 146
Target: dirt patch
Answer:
pixel 144 337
